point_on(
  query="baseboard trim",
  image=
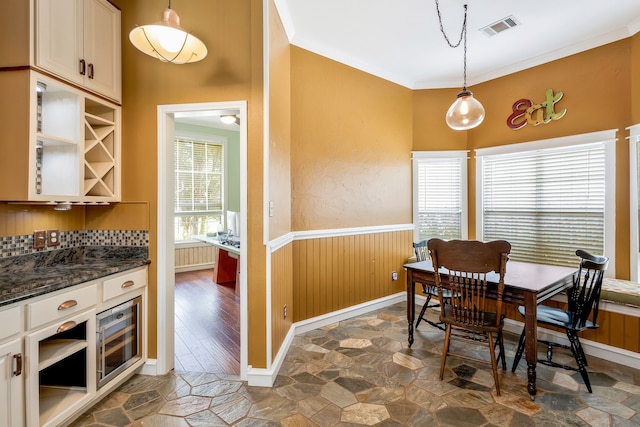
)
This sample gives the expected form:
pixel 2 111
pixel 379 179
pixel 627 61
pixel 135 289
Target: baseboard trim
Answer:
pixel 150 367
pixel 261 377
pixel 194 267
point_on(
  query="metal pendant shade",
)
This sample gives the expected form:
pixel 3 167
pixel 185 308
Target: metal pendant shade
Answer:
pixel 167 41
pixel 466 112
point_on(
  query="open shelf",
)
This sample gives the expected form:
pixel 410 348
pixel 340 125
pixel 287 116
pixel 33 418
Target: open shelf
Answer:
pixel 95 121
pixel 99 151
pixel 55 140
pixel 53 351
pixel 53 400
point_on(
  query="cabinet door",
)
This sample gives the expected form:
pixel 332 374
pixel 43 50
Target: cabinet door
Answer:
pixel 79 40
pixel 11 385
pixel 59 37
pixel 102 48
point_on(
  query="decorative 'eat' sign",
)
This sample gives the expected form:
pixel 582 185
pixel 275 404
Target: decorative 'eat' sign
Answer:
pixel 525 111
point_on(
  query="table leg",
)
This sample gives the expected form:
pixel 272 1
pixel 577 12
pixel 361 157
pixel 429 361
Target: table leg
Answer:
pixel 531 341
pixel 411 303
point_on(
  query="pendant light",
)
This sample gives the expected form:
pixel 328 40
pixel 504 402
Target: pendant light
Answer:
pixel 167 41
pixel 466 112
pixel 229 119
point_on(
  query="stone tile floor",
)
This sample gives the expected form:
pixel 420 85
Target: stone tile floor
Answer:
pixel 361 372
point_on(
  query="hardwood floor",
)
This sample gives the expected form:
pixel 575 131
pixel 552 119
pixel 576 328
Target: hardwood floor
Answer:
pixel 207 325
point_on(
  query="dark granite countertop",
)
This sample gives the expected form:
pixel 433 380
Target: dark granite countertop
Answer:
pixel 27 276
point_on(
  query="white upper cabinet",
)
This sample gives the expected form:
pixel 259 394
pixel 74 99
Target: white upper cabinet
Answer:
pixel 79 40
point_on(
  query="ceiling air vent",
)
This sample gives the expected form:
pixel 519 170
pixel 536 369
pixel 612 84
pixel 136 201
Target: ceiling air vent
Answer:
pixel 500 26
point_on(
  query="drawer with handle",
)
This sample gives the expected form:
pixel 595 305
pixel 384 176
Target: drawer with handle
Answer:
pixel 120 285
pixel 57 307
pixel 10 322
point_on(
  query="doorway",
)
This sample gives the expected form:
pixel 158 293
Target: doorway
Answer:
pixel 168 115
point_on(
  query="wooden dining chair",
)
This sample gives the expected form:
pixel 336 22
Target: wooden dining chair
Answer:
pixel 429 291
pixel 465 267
pixel 583 299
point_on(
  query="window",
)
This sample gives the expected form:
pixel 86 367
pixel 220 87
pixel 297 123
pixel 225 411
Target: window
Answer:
pixel 634 197
pixel 549 198
pixel 440 195
pixel 199 172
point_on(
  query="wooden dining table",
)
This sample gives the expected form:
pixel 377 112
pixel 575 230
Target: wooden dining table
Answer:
pixel 526 284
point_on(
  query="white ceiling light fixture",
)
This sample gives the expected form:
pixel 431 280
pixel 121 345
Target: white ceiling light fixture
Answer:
pixel 466 112
pixel 167 41
pixel 229 119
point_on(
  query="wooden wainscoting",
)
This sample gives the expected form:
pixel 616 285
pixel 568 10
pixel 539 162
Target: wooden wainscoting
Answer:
pixel 196 256
pixel 332 273
pixel 281 295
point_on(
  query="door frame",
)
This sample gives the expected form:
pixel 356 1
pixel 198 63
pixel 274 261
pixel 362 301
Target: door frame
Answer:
pixel 165 244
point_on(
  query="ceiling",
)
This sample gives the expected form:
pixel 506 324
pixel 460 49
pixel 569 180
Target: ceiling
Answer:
pixel 400 40
pixel 209 119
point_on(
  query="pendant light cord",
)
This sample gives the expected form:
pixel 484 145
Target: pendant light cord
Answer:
pixel 463 37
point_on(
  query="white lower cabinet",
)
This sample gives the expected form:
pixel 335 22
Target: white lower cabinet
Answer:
pixel 11 384
pixel 48 349
pixel 61 368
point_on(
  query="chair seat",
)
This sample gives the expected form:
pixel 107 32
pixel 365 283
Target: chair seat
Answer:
pixel 557 317
pixel 583 297
pixel 489 324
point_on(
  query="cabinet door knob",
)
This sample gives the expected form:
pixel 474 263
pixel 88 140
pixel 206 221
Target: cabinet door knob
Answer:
pixel 127 284
pixel 83 67
pixel 90 71
pixel 18 359
pixel 68 304
pixel 66 326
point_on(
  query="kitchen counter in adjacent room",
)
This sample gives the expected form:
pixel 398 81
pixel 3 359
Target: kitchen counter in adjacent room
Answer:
pixel 221 243
pixel 227 264
pixel 28 276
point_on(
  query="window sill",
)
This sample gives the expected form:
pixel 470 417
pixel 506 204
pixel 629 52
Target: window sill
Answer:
pixel 186 244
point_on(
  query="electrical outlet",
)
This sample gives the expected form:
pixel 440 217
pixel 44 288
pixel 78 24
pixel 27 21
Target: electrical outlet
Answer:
pixel 394 275
pixel 39 239
pixel 53 237
pixel 284 311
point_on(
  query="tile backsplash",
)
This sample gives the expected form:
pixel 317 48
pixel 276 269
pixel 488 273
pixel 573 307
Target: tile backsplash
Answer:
pixel 23 245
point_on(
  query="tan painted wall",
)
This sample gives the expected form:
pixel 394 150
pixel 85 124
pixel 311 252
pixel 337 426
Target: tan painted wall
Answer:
pixel 14 33
pixel 280 177
pixel 635 79
pixel 351 137
pixel 279 126
pixel 119 216
pixel 596 91
pixel 16 220
pixel 232 31
pixel 430 131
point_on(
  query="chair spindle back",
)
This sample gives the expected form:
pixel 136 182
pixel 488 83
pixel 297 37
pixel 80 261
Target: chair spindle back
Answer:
pixel 470 266
pixel 584 296
pixel 421 250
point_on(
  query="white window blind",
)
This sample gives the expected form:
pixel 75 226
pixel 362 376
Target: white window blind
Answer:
pixel 440 195
pixel 546 202
pixel 199 171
